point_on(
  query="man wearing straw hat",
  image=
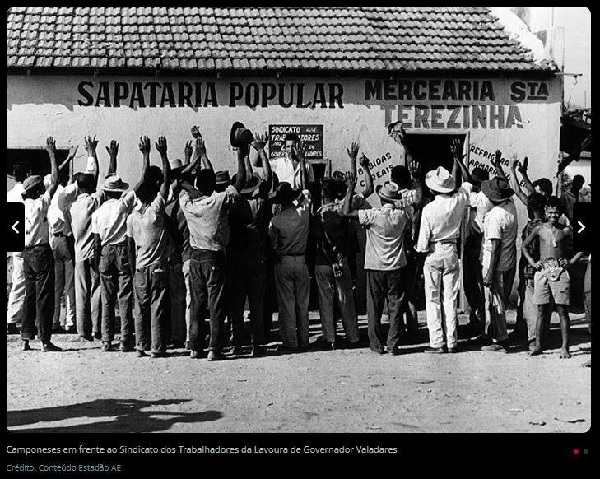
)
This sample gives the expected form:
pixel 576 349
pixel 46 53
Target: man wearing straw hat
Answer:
pixel 109 227
pixel 385 259
pixel 441 222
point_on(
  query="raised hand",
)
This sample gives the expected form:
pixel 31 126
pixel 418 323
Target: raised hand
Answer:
pixel 199 145
pixel 516 165
pixel 497 157
pixel 51 145
pixel 161 145
pixel 353 150
pixel 525 165
pixel 90 145
pixel 113 148
pixel 260 141
pixel 72 151
pixel 415 168
pixel 196 132
pixel 350 181
pixel 364 161
pixel 144 145
pixel 188 151
pixel 456 147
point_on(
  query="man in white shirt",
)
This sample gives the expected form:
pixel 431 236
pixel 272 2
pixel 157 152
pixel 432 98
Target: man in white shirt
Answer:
pixel 61 242
pixel 38 261
pixel 14 312
pixel 288 167
pixel 385 259
pixel 109 227
pixel 441 223
pixel 80 200
pixel 499 260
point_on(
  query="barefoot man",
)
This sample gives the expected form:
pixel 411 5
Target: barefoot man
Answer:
pixel 552 278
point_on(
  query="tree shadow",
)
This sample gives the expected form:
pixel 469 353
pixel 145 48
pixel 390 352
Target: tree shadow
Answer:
pixel 126 414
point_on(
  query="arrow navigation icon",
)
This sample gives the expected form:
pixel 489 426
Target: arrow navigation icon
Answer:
pixel 581 227
pixel 14 227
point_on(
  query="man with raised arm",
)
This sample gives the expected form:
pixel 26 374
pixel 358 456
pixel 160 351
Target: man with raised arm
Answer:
pixel 148 252
pixel 38 261
pixel 109 226
pixel 206 212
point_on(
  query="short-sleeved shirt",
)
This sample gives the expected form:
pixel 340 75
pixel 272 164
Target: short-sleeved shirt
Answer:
pixel 207 218
pixel 385 226
pixel 81 212
pixel 146 226
pixel 333 231
pixel 59 222
pixel 36 220
pixel 480 205
pixel 109 221
pixel 441 219
pixel 501 224
pixel 289 229
pixel 286 172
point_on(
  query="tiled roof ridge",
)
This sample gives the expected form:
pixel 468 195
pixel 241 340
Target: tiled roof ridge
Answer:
pixel 268 38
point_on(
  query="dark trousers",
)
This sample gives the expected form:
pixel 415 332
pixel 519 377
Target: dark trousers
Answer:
pixel 409 307
pixel 473 279
pixel 207 274
pixel 382 285
pixel 151 285
pixel 38 309
pixel 115 275
pixel 246 278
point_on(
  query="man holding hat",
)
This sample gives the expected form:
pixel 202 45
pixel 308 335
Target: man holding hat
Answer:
pixel 206 213
pixel 499 261
pixel 38 261
pixel 441 222
pixel 385 259
pixel 109 227
pixel 246 253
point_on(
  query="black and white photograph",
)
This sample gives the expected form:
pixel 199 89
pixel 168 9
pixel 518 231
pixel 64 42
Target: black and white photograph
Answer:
pixel 298 220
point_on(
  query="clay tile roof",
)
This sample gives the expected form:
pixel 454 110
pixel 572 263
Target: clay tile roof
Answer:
pixel 309 38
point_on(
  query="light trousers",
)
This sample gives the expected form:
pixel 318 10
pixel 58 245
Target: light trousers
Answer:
pixel 16 298
pixel 64 281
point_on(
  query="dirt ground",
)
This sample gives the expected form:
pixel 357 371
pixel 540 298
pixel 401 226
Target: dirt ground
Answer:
pixel 349 390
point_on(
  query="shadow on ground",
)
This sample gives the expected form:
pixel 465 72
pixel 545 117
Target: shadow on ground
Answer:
pixel 126 414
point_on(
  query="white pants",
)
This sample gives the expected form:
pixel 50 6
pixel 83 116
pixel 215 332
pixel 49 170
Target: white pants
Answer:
pixel 64 281
pixel 16 298
pixel 441 271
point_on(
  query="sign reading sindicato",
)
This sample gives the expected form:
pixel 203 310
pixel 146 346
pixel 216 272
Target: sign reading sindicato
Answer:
pixel 311 137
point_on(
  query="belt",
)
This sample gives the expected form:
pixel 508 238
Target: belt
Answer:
pixel 58 235
pixel 454 242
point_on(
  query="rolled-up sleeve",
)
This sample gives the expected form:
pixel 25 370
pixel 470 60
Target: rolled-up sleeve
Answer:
pixel 424 234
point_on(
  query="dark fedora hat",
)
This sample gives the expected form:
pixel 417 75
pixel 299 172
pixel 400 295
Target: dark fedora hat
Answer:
pixel 285 193
pixel 240 135
pixel 222 178
pixel 251 185
pixel 497 189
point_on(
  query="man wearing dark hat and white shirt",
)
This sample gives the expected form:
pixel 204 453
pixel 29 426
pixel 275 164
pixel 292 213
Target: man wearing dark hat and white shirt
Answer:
pixel 246 253
pixel 38 260
pixel 499 261
pixel 288 166
pixel 385 259
pixel 441 222
pixel 109 227
pixel 206 213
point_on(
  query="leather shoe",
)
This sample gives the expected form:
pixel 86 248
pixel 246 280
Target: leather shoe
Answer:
pixel 11 328
pixel 215 356
pixel 158 354
pixel 25 346
pixel 431 350
pixel 125 348
pixel 453 350
pixel 259 351
pixel 47 347
pixel 140 354
pixel 495 347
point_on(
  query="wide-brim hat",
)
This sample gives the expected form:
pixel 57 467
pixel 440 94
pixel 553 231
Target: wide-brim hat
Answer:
pixel 222 178
pixel 114 184
pixel 285 193
pixel 497 189
pixel 440 180
pixel 32 182
pixel 251 185
pixel 389 191
pixel 240 135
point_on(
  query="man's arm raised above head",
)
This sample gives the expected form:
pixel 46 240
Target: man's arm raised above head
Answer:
pixel 498 166
pixel 365 163
pixel 51 149
pixel 516 166
pixel 113 152
pixel 456 148
pixel 71 155
pixel 240 177
pixel 353 154
pixel 200 149
pixel 259 144
pixel 347 209
pixel 145 147
pixel 161 147
pixel 90 148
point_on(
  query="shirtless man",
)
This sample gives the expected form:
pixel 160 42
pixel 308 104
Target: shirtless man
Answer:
pixel 552 278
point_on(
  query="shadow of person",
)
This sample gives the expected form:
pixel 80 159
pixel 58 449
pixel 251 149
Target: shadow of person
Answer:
pixel 126 415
